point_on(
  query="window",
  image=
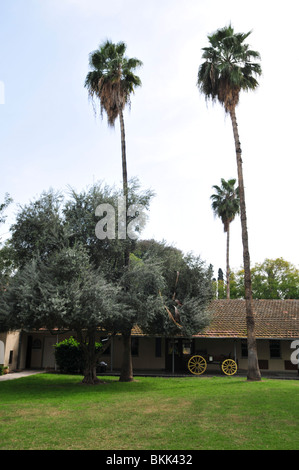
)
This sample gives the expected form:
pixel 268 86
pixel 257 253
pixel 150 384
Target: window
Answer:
pixel 274 349
pixel 186 347
pixel 158 347
pixel 244 350
pixel 10 357
pixel 135 346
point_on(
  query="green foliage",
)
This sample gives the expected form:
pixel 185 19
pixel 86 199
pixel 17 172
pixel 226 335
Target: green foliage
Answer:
pixel 80 219
pixel 229 66
pixel 70 357
pixel 7 201
pixel 6 256
pixel 65 292
pixel 236 286
pixel 272 279
pixel 7 264
pixel 139 295
pixel 226 202
pixel 220 290
pixel 186 291
pixel 112 79
pixel 69 280
pixel 3 369
pixel 38 230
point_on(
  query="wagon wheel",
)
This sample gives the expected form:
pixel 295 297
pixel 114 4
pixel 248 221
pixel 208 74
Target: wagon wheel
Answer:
pixel 197 365
pixel 229 367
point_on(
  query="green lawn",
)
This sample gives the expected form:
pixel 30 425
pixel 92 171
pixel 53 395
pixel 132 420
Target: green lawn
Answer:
pixel 49 411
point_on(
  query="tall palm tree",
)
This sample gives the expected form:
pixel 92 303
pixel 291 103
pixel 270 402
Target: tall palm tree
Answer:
pixel 112 81
pixel 230 66
pixel 226 205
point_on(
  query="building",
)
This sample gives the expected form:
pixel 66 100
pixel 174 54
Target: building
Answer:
pixel 277 327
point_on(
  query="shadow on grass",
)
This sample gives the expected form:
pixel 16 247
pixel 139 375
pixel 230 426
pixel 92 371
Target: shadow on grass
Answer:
pixel 50 386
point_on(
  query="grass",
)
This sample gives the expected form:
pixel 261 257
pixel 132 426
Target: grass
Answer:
pixel 56 412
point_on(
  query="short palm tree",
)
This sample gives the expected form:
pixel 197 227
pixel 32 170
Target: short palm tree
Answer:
pixel 226 205
pixel 230 66
pixel 112 81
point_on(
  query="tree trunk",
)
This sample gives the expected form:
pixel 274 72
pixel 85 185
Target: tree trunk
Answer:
pixel 123 154
pixel 90 376
pixel 127 368
pixel 227 264
pixel 90 361
pixel 125 182
pixel 253 367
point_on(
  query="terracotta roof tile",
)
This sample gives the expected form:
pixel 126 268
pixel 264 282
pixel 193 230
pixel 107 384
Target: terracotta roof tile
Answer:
pixel 273 319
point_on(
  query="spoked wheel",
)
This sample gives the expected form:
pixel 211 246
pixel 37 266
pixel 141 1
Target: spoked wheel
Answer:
pixel 229 367
pixel 197 365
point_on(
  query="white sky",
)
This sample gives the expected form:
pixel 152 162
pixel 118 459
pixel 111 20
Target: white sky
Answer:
pixel 176 144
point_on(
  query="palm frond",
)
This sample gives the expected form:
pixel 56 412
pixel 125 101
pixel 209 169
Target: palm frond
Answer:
pixel 226 201
pixel 229 66
pixel 112 79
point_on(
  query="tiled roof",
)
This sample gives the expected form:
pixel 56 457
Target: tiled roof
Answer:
pixel 274 319
pixel 277 319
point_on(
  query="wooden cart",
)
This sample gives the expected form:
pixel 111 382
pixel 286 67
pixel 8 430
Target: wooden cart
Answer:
pixel 197 365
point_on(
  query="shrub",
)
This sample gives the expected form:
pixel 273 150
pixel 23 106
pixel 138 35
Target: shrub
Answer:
pixel 69 356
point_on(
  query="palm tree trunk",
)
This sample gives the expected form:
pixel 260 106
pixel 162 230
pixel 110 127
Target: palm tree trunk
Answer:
pixel 125 181
pixel 126 368
pixel 123 154
pixel 227 264
pixel 253 367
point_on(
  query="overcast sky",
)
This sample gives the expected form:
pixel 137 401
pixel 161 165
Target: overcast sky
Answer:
pixel 177 145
